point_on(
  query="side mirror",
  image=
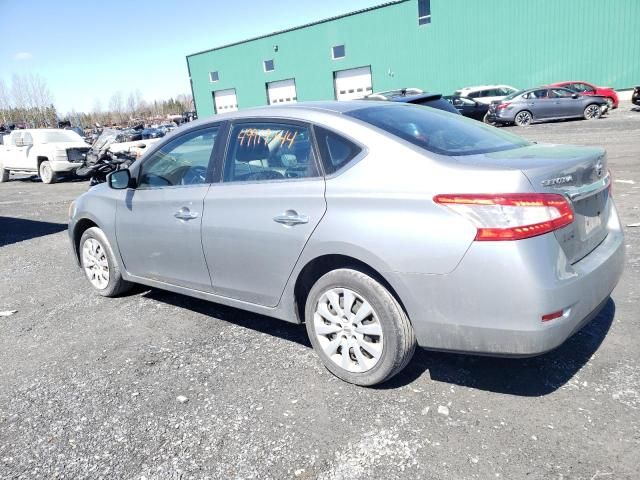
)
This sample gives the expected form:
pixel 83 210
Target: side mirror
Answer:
pixel 575 95
pixel 120 179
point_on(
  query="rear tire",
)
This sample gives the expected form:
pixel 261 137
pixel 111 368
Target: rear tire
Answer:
pixel 99 264
pixel 47 175
pixel 358 347
pixel 610 103
pixel 487 121
pixel 523 118
pixel 592 111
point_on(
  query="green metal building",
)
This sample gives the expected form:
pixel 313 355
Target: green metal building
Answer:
pixel 436 45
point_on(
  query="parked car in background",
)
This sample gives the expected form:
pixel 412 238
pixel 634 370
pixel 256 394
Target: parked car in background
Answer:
pixel 152 133
pixel 468 107
pixel 130 135
pixel 545 103
pixel 635 96
pixel 486 93
pixel 371 237
pixel 52 153
pixel 584 88
pixel 433 100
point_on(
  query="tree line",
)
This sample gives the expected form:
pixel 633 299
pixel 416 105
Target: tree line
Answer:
pixel 28 99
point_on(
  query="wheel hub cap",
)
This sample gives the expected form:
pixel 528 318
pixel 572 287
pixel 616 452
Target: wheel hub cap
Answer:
pixel 348 330
pixel 95 264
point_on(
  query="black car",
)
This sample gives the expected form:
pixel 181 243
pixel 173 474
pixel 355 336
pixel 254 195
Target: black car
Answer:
pixel 433 100
pixel 468 107
pixel 152 133
pixel 129 135
pixel 635 98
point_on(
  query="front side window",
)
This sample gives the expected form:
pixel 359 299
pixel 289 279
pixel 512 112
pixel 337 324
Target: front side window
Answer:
pixel 269 66
pixel 265 151
pixel 560 93
pixel 338 51
pixel 336 151
pixel 437 131
pixel 424 12
pixel 183 161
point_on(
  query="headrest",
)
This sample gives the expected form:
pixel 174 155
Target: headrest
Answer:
pixel 289 160
pixel 251 147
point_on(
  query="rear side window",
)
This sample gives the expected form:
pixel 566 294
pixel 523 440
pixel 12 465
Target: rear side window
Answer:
pixel 437 131
pixel 336 151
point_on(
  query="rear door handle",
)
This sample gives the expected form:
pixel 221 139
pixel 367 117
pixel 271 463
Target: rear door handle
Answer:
pixel 185 214
pixel 291 218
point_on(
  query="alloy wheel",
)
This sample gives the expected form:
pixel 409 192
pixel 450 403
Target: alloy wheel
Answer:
pixel 348 330
pixel 45 173
pixel 95 263
pixel 591 112
pixel 523 119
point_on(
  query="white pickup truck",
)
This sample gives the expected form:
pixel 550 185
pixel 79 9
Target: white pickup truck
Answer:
pixel 52 153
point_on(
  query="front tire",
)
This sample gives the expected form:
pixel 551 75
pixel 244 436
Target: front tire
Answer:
pixel 610 103
pixel 47 175
pixel 358 328
pixel 592 111
pixel 99 264
pixel 523 118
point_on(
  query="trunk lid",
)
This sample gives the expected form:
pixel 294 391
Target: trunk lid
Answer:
pixel 580 174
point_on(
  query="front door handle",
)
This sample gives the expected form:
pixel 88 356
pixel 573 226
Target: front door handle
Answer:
pixel 185 214
pixel 291 218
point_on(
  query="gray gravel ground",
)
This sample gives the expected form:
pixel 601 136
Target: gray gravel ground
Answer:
pixel 89 386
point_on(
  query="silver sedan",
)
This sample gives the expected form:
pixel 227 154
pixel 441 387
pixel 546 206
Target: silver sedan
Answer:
pixel 381 226
pixel 545 103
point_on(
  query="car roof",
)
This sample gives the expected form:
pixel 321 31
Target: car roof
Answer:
pixel 482 87
pixel 300 111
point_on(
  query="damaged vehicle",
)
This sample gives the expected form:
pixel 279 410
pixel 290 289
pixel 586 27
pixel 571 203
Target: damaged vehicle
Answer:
pixel 51 153
pixel 382 226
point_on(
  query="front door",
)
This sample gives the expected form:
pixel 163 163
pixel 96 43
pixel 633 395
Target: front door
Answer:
pixel 158 224
pixel 564 103
pixel 259 218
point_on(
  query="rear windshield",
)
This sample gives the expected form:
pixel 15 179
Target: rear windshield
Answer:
pixel 514 95
pixel 438 103
pixel 437 131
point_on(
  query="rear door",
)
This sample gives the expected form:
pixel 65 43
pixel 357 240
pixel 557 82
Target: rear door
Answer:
pixel 540 105
pixel 259 217
pixel 158 224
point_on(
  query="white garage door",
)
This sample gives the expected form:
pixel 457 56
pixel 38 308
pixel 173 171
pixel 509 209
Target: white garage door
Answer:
pixel 283 91
pixel 225 100
pixel 353 83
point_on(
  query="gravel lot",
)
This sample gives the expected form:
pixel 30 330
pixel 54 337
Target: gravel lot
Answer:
pixel 89 386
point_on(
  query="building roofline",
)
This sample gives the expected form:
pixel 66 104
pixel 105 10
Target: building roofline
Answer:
pixel 299 27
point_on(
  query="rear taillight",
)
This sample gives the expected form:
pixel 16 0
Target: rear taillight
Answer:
pixel 511 216
pixel 502 106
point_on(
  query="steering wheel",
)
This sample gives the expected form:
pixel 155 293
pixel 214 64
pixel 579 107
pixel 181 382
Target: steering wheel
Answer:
pixel 194 175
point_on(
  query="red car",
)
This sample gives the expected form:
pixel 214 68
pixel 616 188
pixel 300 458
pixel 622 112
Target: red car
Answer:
pixel 584 88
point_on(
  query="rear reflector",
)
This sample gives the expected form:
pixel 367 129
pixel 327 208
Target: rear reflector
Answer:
pixel 552 316
pixel 510 216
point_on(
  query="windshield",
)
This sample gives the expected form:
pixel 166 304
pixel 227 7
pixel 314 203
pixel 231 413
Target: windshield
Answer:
pixel 437 131
pixel 106 138
pixel 54 136
pixel 514 95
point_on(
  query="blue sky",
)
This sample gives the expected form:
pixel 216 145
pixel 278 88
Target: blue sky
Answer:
pixel 88 50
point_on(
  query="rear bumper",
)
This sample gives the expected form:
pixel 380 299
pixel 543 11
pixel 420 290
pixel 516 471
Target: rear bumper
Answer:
pixel 493 302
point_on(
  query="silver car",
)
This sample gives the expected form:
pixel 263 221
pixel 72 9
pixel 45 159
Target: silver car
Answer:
pixel 380 225
pixel 545 103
